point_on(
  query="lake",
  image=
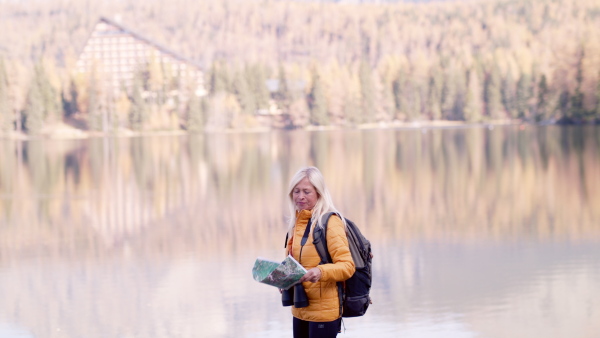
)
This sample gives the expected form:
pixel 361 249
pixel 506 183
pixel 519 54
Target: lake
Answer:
pixel 476 231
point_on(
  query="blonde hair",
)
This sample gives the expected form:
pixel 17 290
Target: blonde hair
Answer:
pixel 324 202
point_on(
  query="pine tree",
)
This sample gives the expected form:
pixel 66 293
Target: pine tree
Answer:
pixel 474 105
pixel 219 79
pixel 541 113
pixel 41 101
pixel 352 107
pixel 492 96
pixel 577 109
pixel 524 94
pixel 398 88
pixel 257 82
pixel 434 97
pixel 94 116
pixel 367 91
pixel 33 115
pixel 196 112
pixel 50 95
pixel 69 99
pixel 596 115
pixel 509 99
pixel 137 112
pixel 283 96
pixel 244 94
pixel 6 116
pixel 317 102
pixel 563 105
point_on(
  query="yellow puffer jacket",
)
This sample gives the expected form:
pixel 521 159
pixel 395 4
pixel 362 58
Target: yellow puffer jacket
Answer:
pixel 323 301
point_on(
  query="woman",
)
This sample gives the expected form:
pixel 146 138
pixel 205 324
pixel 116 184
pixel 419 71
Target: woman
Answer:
pixel 309 200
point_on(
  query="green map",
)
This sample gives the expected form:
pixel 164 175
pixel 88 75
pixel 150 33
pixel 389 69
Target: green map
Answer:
pixel 281 275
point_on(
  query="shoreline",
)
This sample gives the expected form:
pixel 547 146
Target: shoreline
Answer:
pixel 63 131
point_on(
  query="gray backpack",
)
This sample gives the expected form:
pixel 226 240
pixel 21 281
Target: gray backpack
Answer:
pixel 354 292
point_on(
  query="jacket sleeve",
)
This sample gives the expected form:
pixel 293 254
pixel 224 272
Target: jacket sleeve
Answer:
pixel 342 267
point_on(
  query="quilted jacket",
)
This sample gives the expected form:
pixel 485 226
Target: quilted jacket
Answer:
pixel 323 301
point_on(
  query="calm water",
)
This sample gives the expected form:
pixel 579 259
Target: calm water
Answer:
pixel 476 232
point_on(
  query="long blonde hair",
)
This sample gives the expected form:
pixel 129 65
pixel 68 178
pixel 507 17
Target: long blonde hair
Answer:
pixel 324 202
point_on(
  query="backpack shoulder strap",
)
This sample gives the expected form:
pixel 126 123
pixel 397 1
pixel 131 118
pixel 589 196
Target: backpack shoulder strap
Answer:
pixel 320 239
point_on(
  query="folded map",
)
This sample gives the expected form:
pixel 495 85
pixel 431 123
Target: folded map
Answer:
pixel 282 275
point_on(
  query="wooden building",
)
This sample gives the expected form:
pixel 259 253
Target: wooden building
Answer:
pixel 116 53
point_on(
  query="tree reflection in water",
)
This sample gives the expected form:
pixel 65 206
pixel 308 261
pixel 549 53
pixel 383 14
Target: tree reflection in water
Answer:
pixel 474 229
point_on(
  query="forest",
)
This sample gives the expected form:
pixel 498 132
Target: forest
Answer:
pixel 328 63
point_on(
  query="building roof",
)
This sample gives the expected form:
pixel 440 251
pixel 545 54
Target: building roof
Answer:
pixel 151 42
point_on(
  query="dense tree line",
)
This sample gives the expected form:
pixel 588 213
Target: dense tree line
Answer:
pixel 330 63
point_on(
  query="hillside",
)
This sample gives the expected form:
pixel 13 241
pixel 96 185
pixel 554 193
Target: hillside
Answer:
pixel 536 60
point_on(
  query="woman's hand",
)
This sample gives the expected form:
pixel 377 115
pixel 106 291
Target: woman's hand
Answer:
pixel 313 275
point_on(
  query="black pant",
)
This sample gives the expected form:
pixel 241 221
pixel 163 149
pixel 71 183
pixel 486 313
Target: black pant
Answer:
pixel 304 329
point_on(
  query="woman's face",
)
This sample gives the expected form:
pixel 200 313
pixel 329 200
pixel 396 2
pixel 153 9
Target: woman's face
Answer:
pixel 304 195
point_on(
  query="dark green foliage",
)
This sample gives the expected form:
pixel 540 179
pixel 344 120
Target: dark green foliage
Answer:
pixel 196 114
pixel 398 89
pixel 509 99
pixel 367 90
pixel 69 100
pixel 283 96
pixel 94 116
pixel 563 103
pixel 243 93
pixel 492 94
pixel 137 112
pixel 434 97
pixel 524 94
pixel 219 78
pixel 39 102
pixel 474 97
pixel 317 102
pixel 597 109
pixel 6 113
pixel 577 109
pixel 257 81
pixel 433 84
pixel 542 112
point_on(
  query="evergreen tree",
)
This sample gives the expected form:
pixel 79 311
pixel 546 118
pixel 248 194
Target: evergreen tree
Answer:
pixel 317 102
pixel 352 107
pixel 33 115
pixel 218 78
pixel 509 99
pixel 542 100
pixel 492 95
pixel 367 91
pixel 6 116
pixel 40 101
pixel 413 99
pixel 69 99
pixel 596 115
pixel 448 94
pixel 524 94
pixel 283 96
pixel 243 94
pixel 434 100
pixel 94 116
pixel 137 112
pixel 398 89
pixel 577 109
pixel 49 94
pixel 563 106
pixel 257 81
pixel 474 105
pixel 196 114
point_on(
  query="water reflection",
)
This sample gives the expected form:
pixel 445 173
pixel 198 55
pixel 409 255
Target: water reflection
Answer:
pixel 478 232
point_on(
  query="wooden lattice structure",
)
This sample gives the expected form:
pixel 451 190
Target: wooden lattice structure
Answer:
pixel 117 53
